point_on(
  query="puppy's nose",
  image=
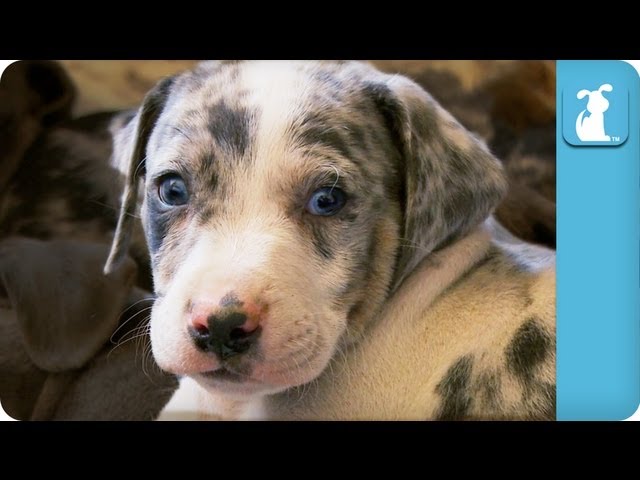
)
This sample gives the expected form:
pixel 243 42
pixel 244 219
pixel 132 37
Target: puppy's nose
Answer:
pixel 225 332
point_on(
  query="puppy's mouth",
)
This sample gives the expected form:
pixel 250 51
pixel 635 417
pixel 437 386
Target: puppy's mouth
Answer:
pixel 224 375
pixel 231 382
pixel 259 380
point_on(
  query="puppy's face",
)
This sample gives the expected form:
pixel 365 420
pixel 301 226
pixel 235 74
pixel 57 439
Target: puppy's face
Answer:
pixel 277 201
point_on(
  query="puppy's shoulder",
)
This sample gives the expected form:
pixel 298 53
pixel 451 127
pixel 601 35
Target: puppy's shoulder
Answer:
pixel 506 369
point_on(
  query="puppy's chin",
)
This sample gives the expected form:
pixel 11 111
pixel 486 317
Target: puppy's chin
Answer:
pixel 224 382
pixel 264 378
pixel 236 387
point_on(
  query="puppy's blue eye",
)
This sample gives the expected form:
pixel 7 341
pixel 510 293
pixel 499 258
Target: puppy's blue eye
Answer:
pixel 326 201
pixel 173 191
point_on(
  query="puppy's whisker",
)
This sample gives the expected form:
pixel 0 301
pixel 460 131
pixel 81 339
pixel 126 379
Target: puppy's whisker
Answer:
pixel 136 303
pixel 145 352
pixel 137 332
pixel 181 132
pixel 139 166
pixel 335 183
pixel 134 333
pixel 409 244
pixel 111 207
pixel 146 309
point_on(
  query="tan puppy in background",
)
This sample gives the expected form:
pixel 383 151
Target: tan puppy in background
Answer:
pixel 322 248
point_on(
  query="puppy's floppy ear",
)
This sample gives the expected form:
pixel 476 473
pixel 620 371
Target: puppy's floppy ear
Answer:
pixel 20 380
pixel 66 308
pixel 451 181
pixel 129 156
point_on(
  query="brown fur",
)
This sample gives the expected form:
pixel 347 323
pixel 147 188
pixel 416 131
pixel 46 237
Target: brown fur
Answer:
pixel 33 95
pixel 59 355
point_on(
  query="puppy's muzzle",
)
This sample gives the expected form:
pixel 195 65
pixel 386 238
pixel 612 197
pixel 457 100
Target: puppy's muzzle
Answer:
pixel 225 331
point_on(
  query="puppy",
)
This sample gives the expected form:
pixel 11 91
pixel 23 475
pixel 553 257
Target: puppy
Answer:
pixel 322 248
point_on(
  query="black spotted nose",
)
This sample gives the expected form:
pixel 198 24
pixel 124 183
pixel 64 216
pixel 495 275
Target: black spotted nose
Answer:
pixel 224 334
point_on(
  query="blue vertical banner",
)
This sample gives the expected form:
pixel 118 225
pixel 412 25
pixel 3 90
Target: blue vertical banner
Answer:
pixel 598 240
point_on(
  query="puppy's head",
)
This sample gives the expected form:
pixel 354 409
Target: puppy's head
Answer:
pixel 283 202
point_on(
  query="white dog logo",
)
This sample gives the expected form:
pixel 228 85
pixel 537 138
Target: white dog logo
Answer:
pixel 591 128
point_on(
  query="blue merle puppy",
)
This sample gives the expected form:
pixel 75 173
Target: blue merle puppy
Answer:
pixel 323 247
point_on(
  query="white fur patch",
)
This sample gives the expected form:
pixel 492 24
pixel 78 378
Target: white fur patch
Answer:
pixel 192 402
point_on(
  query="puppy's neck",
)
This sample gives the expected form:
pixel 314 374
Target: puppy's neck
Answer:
pixel 440 269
